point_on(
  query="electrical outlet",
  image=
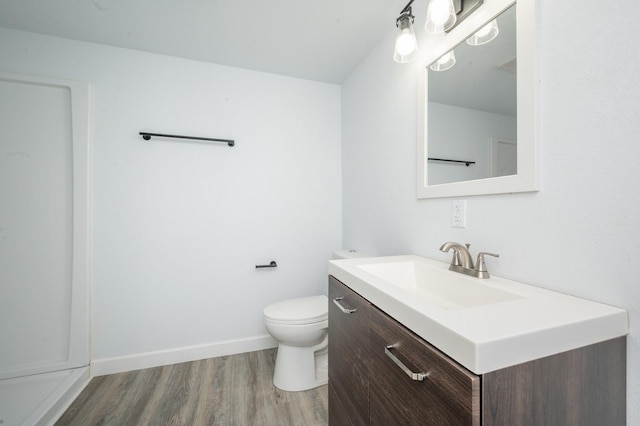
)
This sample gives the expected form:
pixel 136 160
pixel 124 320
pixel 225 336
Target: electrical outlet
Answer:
pixel 459 213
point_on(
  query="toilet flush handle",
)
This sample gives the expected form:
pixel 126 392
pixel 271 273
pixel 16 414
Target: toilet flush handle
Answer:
pixel 336 300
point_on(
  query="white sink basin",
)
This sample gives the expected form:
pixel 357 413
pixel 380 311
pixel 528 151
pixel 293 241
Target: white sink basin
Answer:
pixel 447 290
pixel 484 324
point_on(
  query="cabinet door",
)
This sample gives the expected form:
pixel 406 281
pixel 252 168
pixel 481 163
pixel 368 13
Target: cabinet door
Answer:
pixel 348 356
pixel 584 386
pixel 448 395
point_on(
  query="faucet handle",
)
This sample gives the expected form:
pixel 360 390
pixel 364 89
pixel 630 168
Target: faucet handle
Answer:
pixel 480 265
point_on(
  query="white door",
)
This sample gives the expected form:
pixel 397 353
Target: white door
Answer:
pixel 44 135
pixel 504 157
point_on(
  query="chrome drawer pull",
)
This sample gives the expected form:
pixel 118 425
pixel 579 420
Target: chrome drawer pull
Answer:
pixel 414 376
pixel 342 308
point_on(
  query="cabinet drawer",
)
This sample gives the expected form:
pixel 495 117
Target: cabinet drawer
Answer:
pixel 348 355
pixel 448 395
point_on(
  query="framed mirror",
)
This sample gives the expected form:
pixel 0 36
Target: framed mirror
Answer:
pixel 477 121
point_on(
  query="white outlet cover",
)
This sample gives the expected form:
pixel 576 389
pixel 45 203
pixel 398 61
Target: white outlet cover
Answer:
pixel 459 213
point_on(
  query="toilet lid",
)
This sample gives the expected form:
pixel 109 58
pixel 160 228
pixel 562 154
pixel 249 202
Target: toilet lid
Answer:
pixel 304 310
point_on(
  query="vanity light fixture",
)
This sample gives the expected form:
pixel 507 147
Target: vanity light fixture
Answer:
pixel 406 48
pixel 485 34
pixel 442 16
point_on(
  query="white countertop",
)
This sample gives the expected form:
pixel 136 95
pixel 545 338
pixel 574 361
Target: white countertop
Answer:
pixel 492 336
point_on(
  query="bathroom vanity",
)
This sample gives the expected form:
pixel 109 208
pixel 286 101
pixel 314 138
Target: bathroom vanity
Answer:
pixel 403 351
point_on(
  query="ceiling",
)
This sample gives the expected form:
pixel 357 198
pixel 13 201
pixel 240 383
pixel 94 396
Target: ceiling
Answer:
pixel 319 40
pixel 482 79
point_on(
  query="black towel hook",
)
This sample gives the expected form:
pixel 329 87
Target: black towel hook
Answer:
pixel 271 264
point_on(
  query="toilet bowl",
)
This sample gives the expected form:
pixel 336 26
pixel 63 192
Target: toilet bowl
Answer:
pixel 300 327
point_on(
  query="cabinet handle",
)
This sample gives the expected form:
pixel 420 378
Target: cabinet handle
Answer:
pixel 342 308
pixel 414 376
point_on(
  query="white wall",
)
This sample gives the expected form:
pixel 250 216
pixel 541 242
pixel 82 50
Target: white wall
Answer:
pixel 179 226
pixel 580 234
pixel 468 142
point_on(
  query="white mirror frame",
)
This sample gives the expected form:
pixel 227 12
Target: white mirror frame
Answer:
pixel 528 177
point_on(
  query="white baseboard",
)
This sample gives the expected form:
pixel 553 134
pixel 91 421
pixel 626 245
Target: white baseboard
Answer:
pixel 101 367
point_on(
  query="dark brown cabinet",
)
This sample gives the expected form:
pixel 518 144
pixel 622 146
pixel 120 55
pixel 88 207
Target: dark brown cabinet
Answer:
pixel 411 382
pixel 348 356
pixel 381 373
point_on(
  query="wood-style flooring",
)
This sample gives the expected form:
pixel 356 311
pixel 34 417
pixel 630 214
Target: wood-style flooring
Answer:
pixel 229 390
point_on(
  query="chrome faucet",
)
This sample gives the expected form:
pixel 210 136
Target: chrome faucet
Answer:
pixel 463 262
pixel 461 255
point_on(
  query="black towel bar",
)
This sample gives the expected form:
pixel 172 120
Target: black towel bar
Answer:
pixel 466 163
pixel 146 136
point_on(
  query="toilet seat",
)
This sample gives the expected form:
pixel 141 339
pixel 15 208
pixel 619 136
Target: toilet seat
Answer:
pixel 305 310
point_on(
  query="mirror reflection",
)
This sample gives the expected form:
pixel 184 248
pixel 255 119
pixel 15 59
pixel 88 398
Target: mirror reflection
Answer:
pixel 472 108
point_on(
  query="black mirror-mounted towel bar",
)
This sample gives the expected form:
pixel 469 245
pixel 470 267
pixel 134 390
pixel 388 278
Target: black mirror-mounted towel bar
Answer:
pixel 146 136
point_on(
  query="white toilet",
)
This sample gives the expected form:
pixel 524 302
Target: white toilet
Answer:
pixel 300 327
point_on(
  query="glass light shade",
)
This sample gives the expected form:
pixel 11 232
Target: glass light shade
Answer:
pixel 445 62
pixel 441 16
pixel 406 48
pixel 484 34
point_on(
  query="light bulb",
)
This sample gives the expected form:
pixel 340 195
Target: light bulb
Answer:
pixel 445 58
pixel 484 34
pixel 406 42
pixel 445 62
pixel 441 16
pixel 406 48
pixel 439 12
pixel 483 31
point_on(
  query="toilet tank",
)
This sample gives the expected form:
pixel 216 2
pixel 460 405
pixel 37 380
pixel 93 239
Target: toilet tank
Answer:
pixel 350 254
